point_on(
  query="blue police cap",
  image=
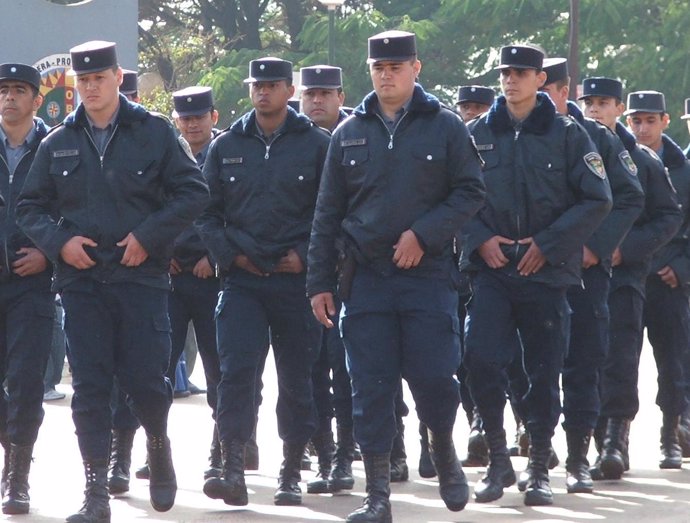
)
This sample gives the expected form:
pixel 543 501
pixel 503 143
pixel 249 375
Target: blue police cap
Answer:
pixel 601 86
pixel 396 46
pixel 21 73
pixel 269 69
pixel 129 82
pixel 687 110
pixel 192 101
pixel 646 102
pixel 93 56
pixel 521 57
pixel 476 93
pixel 556 70
pixel 321 77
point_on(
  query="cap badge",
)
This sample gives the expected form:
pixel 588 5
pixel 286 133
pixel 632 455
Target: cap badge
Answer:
pixel 386 40
pixel 87 59
pixel 262 67
pixel 513 51
pixel 13 69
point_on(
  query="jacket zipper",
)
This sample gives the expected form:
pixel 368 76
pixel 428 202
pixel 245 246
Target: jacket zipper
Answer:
pixel 267 155
pixel 110 139
pixel 8 205
pixel 395 128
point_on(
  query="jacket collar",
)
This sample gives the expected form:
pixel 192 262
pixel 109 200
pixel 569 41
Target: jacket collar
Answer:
pixel 673 155
pixel 575 112
pixel 537 122
pixel 295 122
pixel 626 137
pixel 128 113
pixel 421 102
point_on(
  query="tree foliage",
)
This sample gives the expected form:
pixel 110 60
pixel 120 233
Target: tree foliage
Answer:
pixel 642 42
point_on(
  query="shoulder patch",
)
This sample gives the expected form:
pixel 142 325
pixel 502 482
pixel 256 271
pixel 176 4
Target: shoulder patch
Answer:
pixel 65 153
pixel 233 161
pixel 595 164
pixel 186 148
pixel 628 162
pixel 353 142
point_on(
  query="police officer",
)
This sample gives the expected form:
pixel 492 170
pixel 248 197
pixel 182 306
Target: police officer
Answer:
pixel 666 311
pixel 631 262
pixel 321 99
pixel 400 179
pixel 124 188
pixel 26 301
pixel 546 193
pixel 129 86
pixel 264 173
pixel 195 285
pixel 473 100
pixel 589 300
pixel 125 423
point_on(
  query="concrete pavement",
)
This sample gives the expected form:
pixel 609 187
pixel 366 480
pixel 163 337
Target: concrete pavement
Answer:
pixel 645 493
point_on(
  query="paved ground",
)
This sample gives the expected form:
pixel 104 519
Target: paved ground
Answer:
pixel 646 493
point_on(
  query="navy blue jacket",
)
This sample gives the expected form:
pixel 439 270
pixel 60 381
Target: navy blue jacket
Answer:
pixel 676 253
pixel 628 197
pixel 146 183
pixel 655 226
pixel 13 238
pixel 424 176
pixel 262 196
pixel 545 181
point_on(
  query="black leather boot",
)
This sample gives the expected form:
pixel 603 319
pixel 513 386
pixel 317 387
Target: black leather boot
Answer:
pixel 16 498
pixel 289 492
pixel 96 507
pixel 399 470
pixel 523 479
pixel 341 474
pixel 671 454
pixel 598 436
pixel 615 450
pixel 538 491
pixel 477 449
pixel 215 459
pixel 251 453
pixel 325 449
pixel 500 473
pixel 230 486
pixel 5 442
pixel 162 480
pixel 120 460
pixel 376 507
pixel 577 476
pixel 452 484
pixel 426 466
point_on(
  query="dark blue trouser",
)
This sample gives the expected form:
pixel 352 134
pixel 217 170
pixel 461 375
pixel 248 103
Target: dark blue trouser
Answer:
pixel 194 299
pixel 27 313
pixel 116 330
pixel 395 326
pixel 250 309
pixel 501 307
pixel 618 383
pixel 667 317
pixel 56 358
pixel 589 341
